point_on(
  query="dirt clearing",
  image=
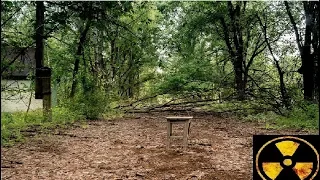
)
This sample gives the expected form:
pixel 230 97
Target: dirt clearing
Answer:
pixel 135 148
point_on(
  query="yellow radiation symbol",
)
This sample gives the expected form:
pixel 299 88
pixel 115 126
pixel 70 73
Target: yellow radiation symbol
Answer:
pixel 285 157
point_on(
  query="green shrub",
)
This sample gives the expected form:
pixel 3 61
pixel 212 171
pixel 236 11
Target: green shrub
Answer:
pixel 112 114
pixel 91 105
pixel 34 117
pixel 302 116
pixel 62 115
pixel 11 125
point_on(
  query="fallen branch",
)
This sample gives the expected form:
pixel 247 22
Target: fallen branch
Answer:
pixel 72 135
pixel 12 162
pixel 193 104
pixel 156 95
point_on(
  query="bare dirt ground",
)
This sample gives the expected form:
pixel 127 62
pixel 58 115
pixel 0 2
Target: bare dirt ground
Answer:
pixel 135 148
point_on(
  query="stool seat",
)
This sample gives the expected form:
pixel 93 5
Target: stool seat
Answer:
pixel 186 120
pixel 178 118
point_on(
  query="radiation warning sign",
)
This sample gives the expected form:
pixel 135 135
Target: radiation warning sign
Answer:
pixel 286 157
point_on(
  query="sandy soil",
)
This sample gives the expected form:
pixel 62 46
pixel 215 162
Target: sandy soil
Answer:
pixel 135 148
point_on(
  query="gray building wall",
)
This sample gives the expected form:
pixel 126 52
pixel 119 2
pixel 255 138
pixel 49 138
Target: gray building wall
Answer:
pixel 15 94
pixel 13 100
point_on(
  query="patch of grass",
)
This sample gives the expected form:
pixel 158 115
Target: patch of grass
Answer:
pixel 112 114
pixel 237 107
pixel 13 124
pixel 305 117
pixel 300 117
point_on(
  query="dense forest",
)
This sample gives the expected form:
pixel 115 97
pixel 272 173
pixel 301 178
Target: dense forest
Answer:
pixel 257 61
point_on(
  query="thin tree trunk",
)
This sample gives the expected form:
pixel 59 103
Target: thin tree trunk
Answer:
pixel 29 104
pixel 131 76
pixel 84 80
pixel 78 55
pixel 240 87
pixel 113 58
pixel 283 89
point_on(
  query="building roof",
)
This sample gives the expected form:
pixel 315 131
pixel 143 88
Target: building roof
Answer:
pixel 24 62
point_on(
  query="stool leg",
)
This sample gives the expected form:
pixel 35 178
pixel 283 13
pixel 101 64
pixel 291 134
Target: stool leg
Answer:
pixel 189 128
pixel 169 132
pixel 185 135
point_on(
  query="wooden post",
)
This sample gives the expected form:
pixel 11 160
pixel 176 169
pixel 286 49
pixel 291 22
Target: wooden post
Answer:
pixel 44 74
pixel 169 133
pixel 185 134
pixel 46 83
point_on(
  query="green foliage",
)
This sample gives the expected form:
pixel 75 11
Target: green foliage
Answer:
pixel 11 124
pixel 300 117
pixel 14 124
pixel 112 114
pixel 175 50
pixel 63 116
pixel 91 105
pixel 18 27
pixel 238 108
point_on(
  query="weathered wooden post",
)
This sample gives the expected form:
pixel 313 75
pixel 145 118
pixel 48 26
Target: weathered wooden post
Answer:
pixel 38 85
pixel 44 76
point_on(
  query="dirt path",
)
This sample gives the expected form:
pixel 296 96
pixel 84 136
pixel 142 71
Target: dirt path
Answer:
pixel 134 148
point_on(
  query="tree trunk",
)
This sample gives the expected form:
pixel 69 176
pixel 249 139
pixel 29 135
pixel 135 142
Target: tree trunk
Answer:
pixel 307 59
pixel 307 71
pixel 39 54
pixel 113 58
pixel 86 88
pixel 316 49
pixel 239 60
pixel 77 60
pixel 283 89
pixel 131 87
pixel 39 34
pixel 239 82
pixel 315 55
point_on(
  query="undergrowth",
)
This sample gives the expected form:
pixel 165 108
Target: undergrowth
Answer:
pixel 91 105
pixel 301 116
pixel 304 117
pixel 13 125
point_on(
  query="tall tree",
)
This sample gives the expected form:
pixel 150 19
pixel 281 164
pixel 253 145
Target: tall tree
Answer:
pixel 308 46
pixel 235 25
pixel 79 53
pixel 239 33
pixel 39 29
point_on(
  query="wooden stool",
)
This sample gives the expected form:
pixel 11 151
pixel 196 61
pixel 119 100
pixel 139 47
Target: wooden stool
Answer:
pixel 186 129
